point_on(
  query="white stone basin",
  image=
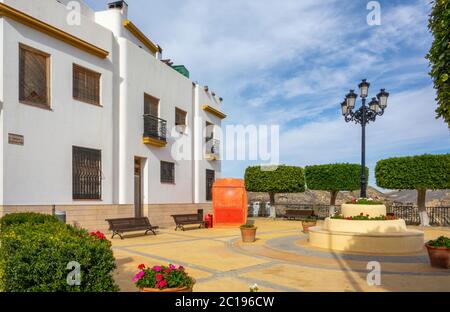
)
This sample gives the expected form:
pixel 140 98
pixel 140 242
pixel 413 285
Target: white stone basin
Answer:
pixel 363 227
pixel 351 210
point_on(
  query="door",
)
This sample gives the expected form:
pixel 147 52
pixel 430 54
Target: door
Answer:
pixel 210 178
pixel 137 187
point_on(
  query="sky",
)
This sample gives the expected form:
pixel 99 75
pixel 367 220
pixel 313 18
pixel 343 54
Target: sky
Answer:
pixel 291 62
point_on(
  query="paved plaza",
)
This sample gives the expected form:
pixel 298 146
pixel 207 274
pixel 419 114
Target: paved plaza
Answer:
pixel 280 260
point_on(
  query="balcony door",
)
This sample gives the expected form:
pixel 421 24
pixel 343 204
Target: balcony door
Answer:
pixel 138 202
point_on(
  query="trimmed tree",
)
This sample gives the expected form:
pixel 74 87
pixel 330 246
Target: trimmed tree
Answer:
pixel 285 179
pixel 334 178
pixel 439 56
pixel 421 173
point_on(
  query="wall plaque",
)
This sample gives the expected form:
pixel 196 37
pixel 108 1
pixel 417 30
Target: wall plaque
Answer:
pixel 15 139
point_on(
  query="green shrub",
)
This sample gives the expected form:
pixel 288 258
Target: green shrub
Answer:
pixel 285 179
pixel 421 173
pixel 428 172
pixel 28 217
pixel 442 241
pixel 439 56
pixel 334 178
pixel 34 258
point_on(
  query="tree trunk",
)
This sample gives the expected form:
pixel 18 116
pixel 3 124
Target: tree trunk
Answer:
pixel 272 198
pixel 421 199
pixel 272 211
pixel 333 196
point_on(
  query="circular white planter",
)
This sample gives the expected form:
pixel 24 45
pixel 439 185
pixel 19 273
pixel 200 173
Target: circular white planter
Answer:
pixel 351 210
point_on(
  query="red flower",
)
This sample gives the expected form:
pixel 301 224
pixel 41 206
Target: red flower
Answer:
pixel 159 277
pixel 161 284
pixel 167 271
pixel 141 266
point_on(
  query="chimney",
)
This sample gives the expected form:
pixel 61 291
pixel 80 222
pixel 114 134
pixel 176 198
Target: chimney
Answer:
pixel 120 5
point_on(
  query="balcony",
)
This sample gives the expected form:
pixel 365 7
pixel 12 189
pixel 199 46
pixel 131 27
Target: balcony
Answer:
pixel 155 131
pixel 212 149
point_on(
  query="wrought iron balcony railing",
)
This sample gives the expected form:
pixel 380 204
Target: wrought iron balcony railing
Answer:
pixel 155 128
pixel 212 147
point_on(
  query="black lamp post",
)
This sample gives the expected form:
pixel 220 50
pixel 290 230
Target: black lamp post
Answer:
pixel 363 116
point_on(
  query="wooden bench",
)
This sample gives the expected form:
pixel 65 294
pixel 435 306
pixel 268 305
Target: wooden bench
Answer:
pixel 187 219
pixel 120 226
pixel 298 213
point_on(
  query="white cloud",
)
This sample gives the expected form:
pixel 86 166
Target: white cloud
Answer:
pixel 282 61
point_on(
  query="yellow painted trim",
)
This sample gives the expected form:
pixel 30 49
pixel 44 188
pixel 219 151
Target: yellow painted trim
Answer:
pixel 211 157
pixel 214 111
pixel 154 142
pixel 140 36
pixel 18 16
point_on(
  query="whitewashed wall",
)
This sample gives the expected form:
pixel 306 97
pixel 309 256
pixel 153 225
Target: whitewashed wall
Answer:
pixel 40 172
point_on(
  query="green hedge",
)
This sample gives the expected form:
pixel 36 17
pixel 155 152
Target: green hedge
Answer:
pixel 285 179
pixel 439 56
pixel 27 217
pixel 334 177
pixel 430 172
pixel 34 257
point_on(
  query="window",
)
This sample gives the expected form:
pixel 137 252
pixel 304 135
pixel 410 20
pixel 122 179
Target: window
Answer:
pixel 167 172
pixel 86 85
pixel 209 131
pixel 180 117
pixel 86 173
pixel 34 77
pixel 151 105
pixel 180 120
pixel 210 178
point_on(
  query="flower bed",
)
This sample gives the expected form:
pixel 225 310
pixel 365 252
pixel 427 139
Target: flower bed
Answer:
pixel 363 217
pixel 364 201
pixel 162 278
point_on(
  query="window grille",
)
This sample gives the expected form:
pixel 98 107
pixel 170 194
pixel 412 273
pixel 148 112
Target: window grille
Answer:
pixel 86 174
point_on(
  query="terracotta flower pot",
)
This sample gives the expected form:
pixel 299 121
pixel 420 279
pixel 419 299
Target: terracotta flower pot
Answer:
pixel 248 234
pixel 439 256
pixel 169 290
pixel 307 224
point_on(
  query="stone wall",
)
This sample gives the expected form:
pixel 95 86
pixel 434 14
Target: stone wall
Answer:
pixel 160 215
pixel 93 217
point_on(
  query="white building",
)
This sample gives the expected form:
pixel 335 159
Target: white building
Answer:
pixel 91 118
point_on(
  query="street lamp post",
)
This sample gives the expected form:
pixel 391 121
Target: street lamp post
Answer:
pixel 363 116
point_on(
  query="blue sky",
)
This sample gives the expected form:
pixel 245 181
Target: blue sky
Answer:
pixel 291 62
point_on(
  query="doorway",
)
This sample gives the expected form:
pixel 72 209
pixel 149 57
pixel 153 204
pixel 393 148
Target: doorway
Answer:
pixel 138 187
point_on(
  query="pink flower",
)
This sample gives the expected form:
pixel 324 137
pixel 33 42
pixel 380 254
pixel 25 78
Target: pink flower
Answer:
pixel 161 284
pixel 138 276
pixel 172 267
pixel 156 268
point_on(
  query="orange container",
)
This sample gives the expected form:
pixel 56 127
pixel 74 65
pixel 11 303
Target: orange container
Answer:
pixel 229 202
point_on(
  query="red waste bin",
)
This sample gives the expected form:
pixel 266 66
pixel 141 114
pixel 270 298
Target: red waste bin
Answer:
pixel 209 221
pixel 229 202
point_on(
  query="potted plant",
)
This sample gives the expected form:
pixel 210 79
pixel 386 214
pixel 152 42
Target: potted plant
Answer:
pixel 248 233
pixel 308 223
pixel 163 279
pixel 439 252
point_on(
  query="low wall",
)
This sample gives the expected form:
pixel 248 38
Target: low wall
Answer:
pixel 160 214
pixel 89 217
pixel 92 217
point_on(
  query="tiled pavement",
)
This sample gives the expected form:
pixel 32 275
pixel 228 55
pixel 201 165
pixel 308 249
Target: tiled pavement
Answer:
pixel 280 260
